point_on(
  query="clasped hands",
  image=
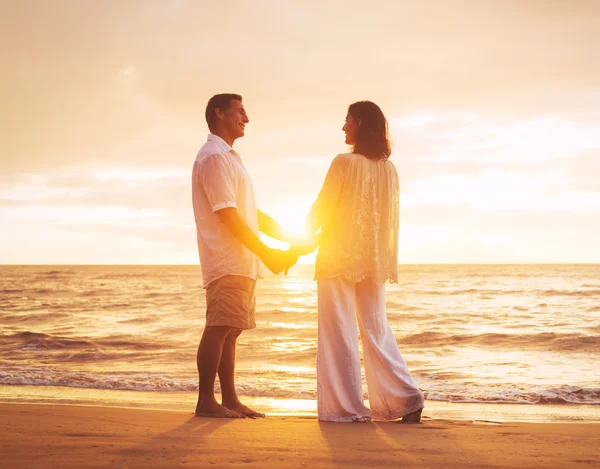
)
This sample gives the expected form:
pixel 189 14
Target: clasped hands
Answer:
pixel 278 260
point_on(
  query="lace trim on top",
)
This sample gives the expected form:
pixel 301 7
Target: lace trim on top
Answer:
pixel 359 239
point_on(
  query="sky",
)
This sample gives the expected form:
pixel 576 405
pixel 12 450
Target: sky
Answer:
pixel 493 106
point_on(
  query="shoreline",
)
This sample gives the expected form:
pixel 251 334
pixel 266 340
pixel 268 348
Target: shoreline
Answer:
pixel 183 401
pixel 53 436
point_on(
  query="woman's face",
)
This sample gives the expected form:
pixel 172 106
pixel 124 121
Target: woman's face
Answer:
pixel 350 128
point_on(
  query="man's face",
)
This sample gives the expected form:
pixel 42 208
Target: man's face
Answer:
pixel 235 119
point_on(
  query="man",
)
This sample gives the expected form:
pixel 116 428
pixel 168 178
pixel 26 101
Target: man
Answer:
pixel 227 225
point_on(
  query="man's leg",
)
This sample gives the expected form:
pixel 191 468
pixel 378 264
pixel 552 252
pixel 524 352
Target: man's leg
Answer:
pixel 227 377
pixel 210 353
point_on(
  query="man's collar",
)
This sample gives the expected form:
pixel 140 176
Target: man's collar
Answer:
pixel 219 141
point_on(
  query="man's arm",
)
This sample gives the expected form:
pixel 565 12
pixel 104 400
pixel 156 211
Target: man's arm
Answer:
pixel 271 228
pixel 275 259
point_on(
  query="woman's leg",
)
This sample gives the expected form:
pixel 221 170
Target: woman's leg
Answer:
pixel 339 388
pixel 392 391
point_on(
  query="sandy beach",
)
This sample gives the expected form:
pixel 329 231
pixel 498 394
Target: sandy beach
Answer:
pixel 96 437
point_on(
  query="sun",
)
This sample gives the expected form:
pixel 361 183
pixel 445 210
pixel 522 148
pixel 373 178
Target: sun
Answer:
pixel 292 213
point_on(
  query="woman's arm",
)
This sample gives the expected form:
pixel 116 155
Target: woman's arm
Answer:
pixel 271 228
pixel 325 205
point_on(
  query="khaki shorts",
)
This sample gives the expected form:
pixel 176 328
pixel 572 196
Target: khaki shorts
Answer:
pixel 230 302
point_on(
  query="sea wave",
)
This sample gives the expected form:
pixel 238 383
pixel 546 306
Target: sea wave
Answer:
pixel 153 382
pixel 279 385
pixel 41 318
pixel 434 291
pixel 465 291
pixel 55 274
pixel 579 293
pixel 33 291
pixel 39 341
pixel 12 290
pixel 297 337
pixel 564 395
pixel 565 342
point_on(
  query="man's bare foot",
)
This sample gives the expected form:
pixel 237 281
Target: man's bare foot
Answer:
pixel 244 410
pixel 413 417
pixel 216 410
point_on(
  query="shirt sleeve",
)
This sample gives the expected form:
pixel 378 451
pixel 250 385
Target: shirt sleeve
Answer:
pixel 218 181
pixel 324 207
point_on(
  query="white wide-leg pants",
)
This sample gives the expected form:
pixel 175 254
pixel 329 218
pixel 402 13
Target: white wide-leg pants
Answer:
pixel 392 391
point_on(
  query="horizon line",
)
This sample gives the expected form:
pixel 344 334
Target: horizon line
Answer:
pixel 303 264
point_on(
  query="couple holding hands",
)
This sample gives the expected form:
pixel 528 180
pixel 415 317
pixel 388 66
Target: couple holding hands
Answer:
pixel 356 218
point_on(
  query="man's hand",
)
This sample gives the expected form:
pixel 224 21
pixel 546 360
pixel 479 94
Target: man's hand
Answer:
pixel 300 247
pixel 291 259
pixel 275 260
pixel 278 261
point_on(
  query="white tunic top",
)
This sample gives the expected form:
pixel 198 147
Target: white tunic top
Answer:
pixel 358 211
pixel 220 180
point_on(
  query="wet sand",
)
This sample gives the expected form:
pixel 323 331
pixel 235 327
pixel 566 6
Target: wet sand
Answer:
pixel 53 436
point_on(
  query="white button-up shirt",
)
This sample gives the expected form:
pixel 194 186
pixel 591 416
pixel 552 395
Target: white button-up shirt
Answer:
pixel 220 180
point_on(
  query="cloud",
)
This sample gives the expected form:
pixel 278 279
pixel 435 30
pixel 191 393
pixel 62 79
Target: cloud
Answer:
pixel 494 115
pixel 497 139
pixel 495 191
pixel 134 190
pixel 128 82
pixel 583 170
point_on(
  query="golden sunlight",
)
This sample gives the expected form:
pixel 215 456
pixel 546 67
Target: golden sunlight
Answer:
pixel 292 214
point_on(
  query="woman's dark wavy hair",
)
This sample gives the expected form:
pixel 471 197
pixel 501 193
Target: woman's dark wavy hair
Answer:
pixel 372 135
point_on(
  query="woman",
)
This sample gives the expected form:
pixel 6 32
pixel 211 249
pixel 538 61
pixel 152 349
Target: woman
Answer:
pixel 357 212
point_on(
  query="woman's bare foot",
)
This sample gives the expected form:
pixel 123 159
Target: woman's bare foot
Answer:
pixel 216 410
pixel 246 411
pixel 413 417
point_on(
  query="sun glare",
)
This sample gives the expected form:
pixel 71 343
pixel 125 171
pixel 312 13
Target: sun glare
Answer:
pixel 292 214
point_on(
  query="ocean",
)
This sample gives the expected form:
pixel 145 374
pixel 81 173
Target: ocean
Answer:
pixel 526 335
